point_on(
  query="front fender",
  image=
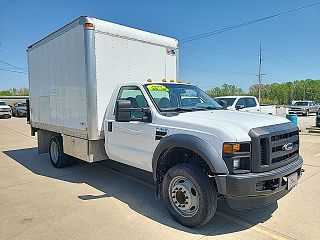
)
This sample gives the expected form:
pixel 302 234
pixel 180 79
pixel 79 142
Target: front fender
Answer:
pixel 197 145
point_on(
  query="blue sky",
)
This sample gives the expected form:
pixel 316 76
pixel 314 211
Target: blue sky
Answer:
pixel 291 42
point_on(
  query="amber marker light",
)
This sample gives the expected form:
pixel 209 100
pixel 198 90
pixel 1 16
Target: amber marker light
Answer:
pixel 88 25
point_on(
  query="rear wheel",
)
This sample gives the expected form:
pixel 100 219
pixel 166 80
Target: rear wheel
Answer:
pixel 58 158
pixel 189 195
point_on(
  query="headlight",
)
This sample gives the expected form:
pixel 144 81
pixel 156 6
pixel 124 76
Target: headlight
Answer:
pixel 236 163
pixel 237 157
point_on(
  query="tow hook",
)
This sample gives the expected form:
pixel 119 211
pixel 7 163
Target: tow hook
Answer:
pixel 272 185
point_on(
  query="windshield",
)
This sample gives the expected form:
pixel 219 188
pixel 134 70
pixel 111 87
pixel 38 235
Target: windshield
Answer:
pixel 300 104
pixel 3 104
pixel 22 104
pixel 180 97
pixel 229 101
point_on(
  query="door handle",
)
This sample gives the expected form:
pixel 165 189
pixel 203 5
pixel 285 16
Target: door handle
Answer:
pixel 109 126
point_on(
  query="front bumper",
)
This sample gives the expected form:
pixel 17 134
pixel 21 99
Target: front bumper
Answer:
pixel 241 190
pixel 22 112
pixel 298 111
pixel 5 114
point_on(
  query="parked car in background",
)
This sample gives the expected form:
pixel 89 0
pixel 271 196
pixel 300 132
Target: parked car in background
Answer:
pixel 318 118
pixel 5 110
pixel 303 108
pixel 247 104
pixel 19 110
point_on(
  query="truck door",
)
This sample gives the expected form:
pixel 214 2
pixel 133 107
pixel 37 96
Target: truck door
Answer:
pixel 132 142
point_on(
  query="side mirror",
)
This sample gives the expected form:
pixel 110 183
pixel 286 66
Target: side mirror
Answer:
pixel 238 107
pixel 223 104
pixel 123 112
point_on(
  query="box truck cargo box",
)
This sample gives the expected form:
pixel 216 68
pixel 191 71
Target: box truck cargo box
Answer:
pixel 73 72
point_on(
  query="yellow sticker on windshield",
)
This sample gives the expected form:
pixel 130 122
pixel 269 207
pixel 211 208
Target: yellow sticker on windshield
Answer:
pixel 157 87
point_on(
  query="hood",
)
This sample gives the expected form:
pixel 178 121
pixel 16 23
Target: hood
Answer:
pixel 296 106
pixel 236 123
pixel 5 107
pixel 22 107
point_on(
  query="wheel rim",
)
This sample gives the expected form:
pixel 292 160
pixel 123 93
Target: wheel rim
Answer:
pixel 184 196
pixel 54 151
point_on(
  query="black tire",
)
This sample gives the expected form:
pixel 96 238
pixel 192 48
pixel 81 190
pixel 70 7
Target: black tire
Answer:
pixel 204 189
pixel 307 113
pixel 18 114
pixel 58 158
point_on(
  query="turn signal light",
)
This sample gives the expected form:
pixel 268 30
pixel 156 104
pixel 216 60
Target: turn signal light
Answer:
pixel 231 147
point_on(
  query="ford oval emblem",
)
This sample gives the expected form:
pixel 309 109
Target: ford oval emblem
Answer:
pixel 287 147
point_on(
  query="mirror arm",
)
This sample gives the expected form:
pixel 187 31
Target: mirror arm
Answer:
pixel 144 110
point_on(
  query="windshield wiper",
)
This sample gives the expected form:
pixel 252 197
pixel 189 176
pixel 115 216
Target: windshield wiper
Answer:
pixel 178 109
pixel 208 108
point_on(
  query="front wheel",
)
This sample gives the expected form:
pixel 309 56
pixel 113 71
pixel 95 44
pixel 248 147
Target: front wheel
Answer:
pixel 189 195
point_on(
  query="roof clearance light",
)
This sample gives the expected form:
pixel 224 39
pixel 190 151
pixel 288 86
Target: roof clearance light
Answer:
pixel 171 80
pixel 149 80
pixel 189 83
pixel 179 81
pixel 88 25
pixel 164 80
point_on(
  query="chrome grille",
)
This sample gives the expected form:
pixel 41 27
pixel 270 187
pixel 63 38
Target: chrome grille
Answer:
pixel 274 146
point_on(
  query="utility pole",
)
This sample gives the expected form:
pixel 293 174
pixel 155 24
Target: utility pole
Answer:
pixel 260 74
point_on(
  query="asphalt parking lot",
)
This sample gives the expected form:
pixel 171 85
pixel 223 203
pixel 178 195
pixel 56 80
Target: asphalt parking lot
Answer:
pixel 93 201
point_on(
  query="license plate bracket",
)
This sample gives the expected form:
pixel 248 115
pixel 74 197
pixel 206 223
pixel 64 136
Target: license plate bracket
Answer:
pixel 292 181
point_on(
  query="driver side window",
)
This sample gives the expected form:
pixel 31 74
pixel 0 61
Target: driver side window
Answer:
pixel 136 98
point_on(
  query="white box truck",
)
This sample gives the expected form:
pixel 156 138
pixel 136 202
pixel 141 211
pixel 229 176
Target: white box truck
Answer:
pixel 99 91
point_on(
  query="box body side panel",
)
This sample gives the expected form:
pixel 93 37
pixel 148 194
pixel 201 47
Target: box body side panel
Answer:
pixel 57 81
pixel 121 60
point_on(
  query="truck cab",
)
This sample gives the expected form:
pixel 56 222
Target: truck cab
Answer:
pixel 252 165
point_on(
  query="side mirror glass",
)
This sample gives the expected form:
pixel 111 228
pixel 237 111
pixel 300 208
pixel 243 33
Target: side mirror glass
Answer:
pixel 238 107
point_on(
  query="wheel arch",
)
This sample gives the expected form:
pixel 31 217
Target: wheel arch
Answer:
pixel 189 142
